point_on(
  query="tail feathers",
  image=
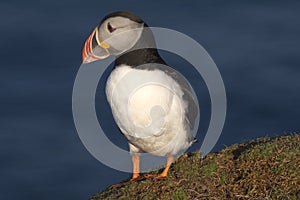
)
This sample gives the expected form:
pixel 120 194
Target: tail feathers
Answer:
pixel 194 140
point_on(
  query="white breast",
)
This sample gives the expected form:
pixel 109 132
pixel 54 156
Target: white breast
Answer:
pixel 148 108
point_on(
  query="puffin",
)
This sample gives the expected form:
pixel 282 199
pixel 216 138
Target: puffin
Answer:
pixel 152 103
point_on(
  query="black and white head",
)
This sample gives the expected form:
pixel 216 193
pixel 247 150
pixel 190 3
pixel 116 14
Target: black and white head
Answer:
pixel 116 34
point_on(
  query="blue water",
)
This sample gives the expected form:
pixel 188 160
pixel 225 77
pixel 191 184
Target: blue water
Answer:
pixel 255 44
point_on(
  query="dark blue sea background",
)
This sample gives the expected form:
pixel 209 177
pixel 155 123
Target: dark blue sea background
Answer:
pixel 255 44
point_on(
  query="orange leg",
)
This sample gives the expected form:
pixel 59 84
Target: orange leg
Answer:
pixel 136 167
pixel 168 165
pixel 136 172
pixel 165 172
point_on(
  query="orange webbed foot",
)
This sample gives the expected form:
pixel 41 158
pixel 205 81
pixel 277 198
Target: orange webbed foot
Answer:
pixel 155 176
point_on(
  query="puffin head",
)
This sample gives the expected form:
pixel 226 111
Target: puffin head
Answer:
pixel 117 33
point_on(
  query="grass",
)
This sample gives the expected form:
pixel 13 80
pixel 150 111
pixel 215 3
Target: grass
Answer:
pixel 265 168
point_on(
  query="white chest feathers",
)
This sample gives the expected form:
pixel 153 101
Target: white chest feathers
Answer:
pixel 147 106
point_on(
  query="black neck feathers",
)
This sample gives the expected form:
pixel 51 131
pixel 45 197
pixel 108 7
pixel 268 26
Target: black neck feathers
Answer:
pixel 139 57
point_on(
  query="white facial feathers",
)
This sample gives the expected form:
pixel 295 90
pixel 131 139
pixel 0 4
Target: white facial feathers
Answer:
pixel 120 33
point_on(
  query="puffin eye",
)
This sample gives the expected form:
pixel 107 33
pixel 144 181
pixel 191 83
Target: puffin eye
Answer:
pixel 110 28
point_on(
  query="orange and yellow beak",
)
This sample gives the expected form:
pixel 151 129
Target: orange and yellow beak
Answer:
pixel 94 49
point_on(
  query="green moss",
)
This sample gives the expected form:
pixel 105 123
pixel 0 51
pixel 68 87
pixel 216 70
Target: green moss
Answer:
pixel 179 194
pixel 209 170
pixel 265 168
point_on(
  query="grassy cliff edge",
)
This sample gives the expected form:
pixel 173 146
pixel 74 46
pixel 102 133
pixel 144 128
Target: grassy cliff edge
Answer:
pixel 265 168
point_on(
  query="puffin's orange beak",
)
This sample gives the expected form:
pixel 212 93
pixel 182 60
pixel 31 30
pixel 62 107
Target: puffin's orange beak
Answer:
pixel 94 49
